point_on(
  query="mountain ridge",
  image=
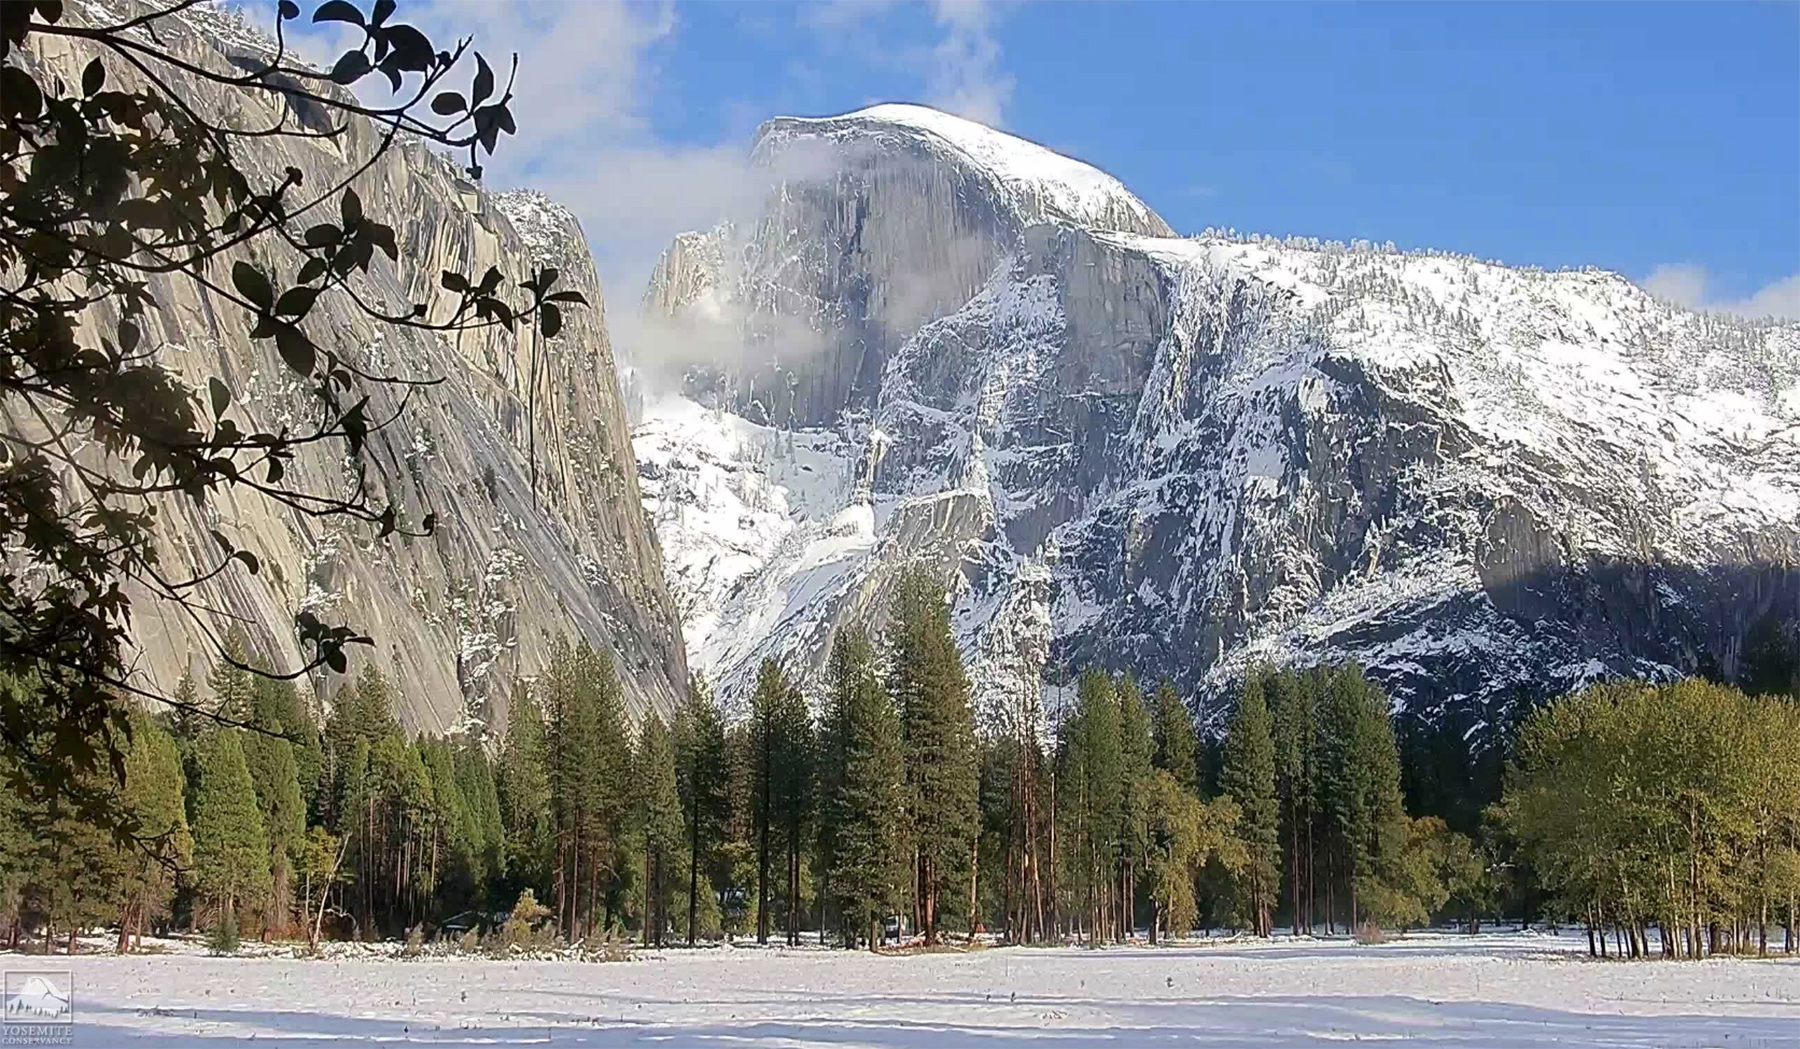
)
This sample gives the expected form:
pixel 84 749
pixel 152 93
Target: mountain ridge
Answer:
pixel 1376 415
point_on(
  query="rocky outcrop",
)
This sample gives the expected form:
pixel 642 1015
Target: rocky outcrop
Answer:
pixel 1177 456
pixel 522 451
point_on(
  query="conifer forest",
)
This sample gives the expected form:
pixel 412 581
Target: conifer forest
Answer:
pixel 864 807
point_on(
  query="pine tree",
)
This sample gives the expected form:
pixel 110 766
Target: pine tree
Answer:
pixel 703 781
pixel 475 779
pixel 231 848
pixel 930 689
pixel 155 797
pixel 1172 734
pixel 270 761
pixel 864 777
pixel 1359 779
pixel 1248 778
pixel 1091 797
pixel 657 804
pixel 522 784
pixel 1292 719
pixel 794 798
pixel 768 723
pixel 1135 749
pixel 278 707
pixel 232 686
pixel 455 871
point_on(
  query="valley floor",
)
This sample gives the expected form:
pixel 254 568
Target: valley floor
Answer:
pixel 1493 991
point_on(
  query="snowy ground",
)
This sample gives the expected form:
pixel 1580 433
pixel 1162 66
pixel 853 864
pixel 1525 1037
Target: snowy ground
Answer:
pixel 1496 991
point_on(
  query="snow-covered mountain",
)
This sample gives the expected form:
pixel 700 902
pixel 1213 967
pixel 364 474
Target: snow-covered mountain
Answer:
pixel 1179 455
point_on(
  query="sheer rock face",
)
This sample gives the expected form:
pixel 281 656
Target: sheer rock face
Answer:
pixel 522 450
pixel 1178 456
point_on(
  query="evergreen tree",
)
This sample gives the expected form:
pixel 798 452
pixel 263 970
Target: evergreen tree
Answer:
pixel 1292 724
pixel 278 707
pixel 1248 778
pixel 864 779
pixel 769 723
pixel 930 689
pixel 475 779
pixel 588 758
pixel 522 784
pixel 454 872
pixel 1172 734
pixel 794 797
pixel 657 803
pixel 1135 750
pixel 703 781
pixel 232 686
pixel 1359 779
pixel 231 847
pixel 1091 797
pixel 270 761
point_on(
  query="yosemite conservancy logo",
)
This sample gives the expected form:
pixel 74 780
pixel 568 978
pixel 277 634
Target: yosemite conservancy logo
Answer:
pixel 39 1007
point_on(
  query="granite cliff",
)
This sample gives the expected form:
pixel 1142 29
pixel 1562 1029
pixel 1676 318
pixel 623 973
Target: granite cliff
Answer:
pixel 1176 456
pixel 522 450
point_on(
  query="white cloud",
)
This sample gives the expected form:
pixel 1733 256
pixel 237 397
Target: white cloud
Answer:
pixel 966 77
pixel 1687 284
pixel 589 72
pixel 960 72
pixel 582 103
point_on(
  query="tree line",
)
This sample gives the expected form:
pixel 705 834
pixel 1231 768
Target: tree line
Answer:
pixel 876 812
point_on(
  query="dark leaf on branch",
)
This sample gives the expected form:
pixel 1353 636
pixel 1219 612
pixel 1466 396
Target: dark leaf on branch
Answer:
pixel 221 396
pixel 313 270
pixel 352 209
pixel 412 52
pixel 383 238
pixel 339 11
pixel 454 281
pixel 296 301
pixel 249 560
pixel 322 234
pixel 296 349
pixel 19 94
pixel 383 8
pixel 93 78
pixel 128 336
pixel 288 9
pixel 252 285
pixel 484 81
pixel 448 103
pixel 549 320
pixel 567 296
pixel 356 429
pixel 353 66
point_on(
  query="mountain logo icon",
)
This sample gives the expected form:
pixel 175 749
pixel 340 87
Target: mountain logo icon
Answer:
pixel 39 997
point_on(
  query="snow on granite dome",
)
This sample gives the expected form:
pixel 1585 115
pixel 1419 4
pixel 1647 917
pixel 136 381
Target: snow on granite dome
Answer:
pixel 1042 184
pixel 550 230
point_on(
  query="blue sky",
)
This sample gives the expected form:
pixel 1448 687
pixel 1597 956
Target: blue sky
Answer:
pixel 1661 140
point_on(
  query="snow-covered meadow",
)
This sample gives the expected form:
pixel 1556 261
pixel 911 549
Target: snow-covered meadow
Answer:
pixel 1495 991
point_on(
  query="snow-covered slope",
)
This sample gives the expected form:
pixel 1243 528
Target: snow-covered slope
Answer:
pixel 1178 455
pixel 1039 184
